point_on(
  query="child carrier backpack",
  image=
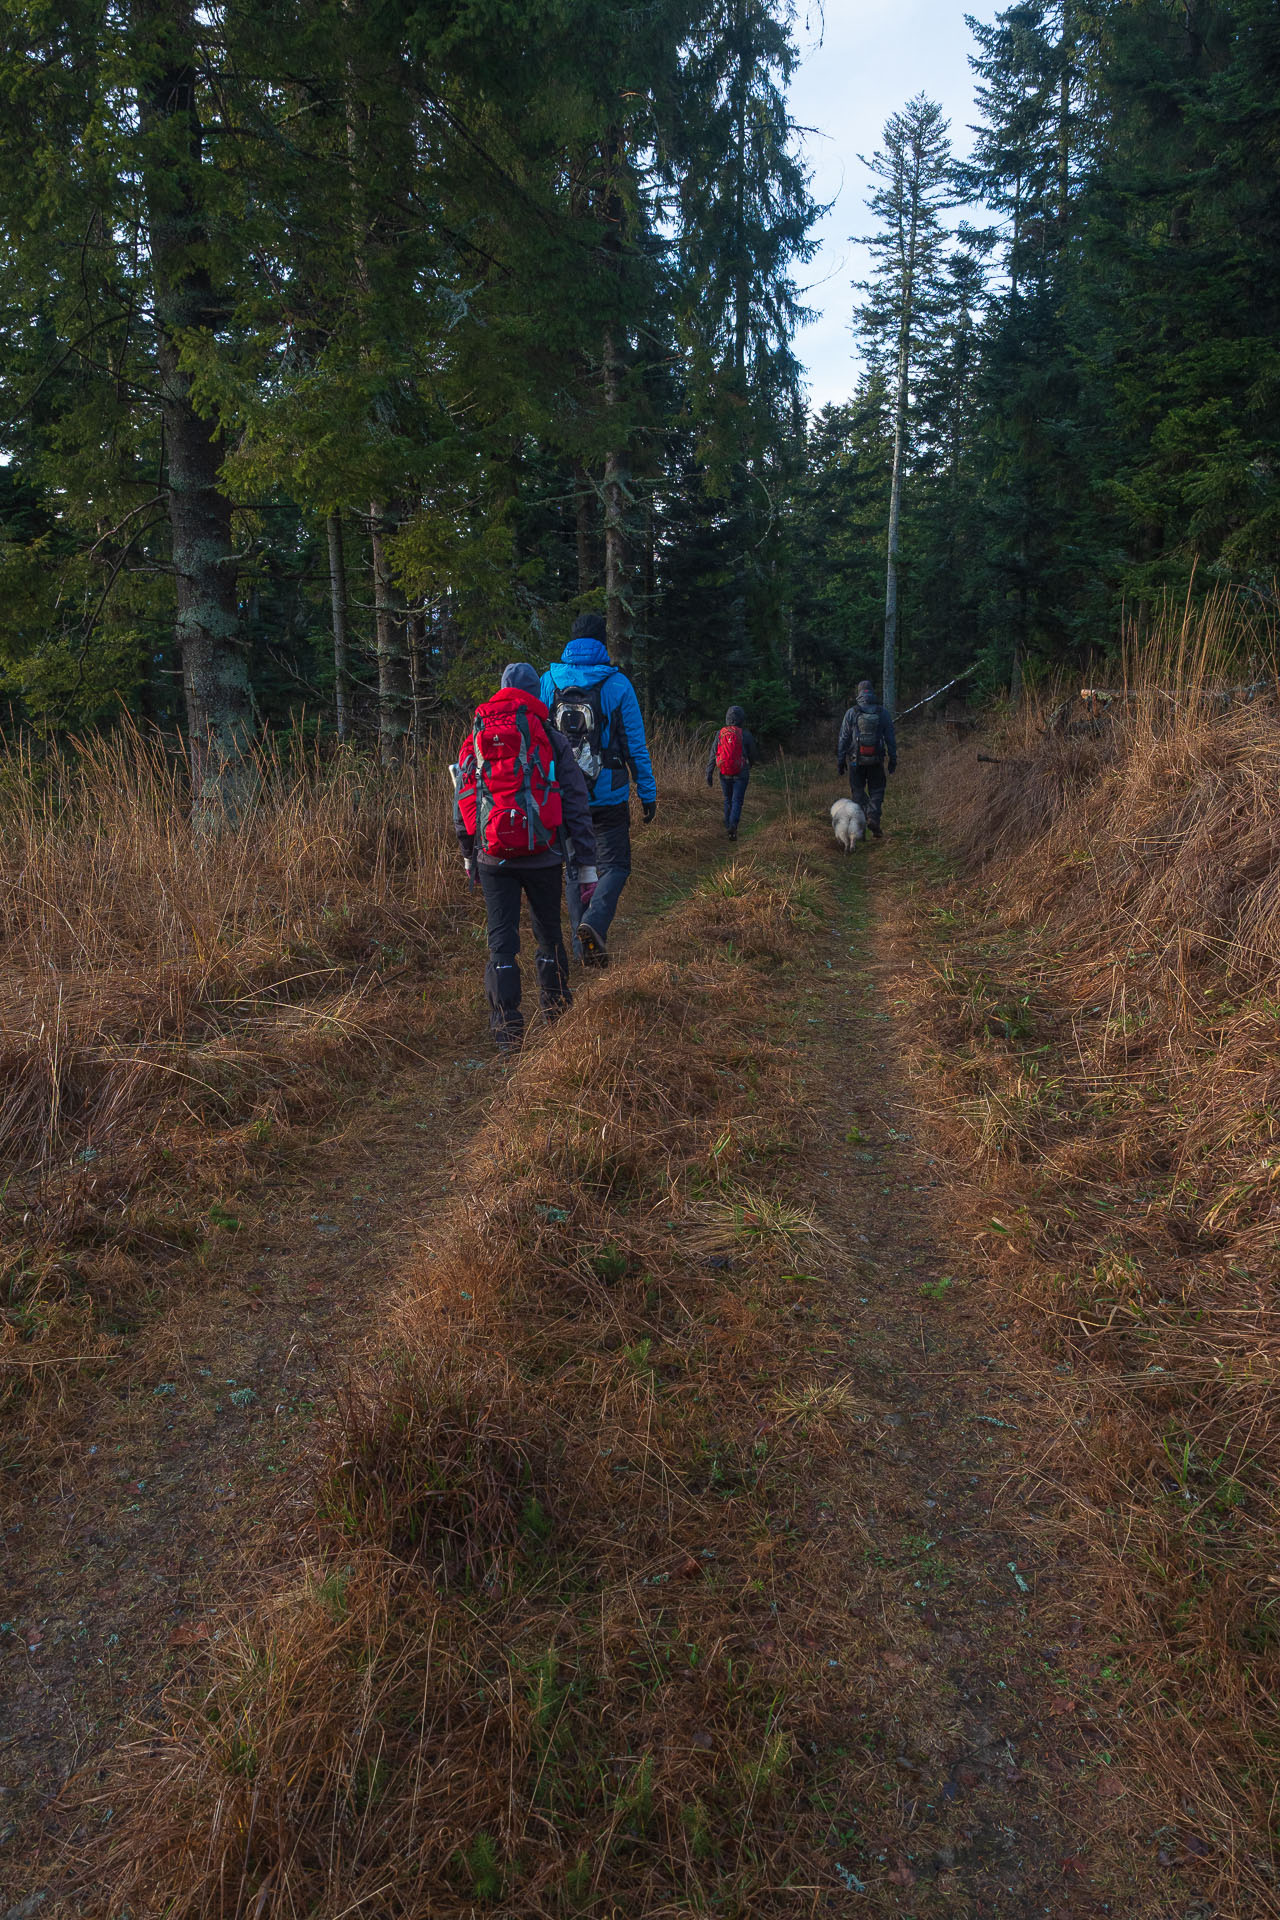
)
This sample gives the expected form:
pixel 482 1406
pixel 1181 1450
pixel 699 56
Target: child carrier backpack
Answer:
pixel 867 736
pixel 578 713
pixel 508 796
pixel 729 752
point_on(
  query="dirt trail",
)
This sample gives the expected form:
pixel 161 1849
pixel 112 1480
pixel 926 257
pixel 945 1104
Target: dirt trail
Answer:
pixel 996 1743
pixel 174 1466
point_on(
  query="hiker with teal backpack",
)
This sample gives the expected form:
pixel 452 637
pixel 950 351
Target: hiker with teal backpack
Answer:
pixel 518 792
pixel 733 754
pixel 595 706
pixel 866 742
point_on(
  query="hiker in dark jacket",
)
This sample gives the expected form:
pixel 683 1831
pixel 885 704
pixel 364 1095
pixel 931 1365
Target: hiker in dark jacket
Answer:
pixel 733 754
pixel 506 877
pixel 866 742
pixel 595 705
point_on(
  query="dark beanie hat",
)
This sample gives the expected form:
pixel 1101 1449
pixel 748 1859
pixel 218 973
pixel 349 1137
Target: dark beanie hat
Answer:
pixel 735 717
pixel 521 676
pixel 868 684
pixel 590 626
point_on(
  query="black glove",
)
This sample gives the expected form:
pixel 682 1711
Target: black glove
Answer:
pixel 893 766
pixel 648 808
pixel 708 783
pixel 839 766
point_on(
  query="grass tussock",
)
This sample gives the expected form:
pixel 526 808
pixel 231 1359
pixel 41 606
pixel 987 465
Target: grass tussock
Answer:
pixel 1104 1014
pixel 529 1665
pixel 172 1003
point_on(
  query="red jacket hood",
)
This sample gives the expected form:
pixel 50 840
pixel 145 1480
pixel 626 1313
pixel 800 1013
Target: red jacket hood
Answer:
pixel 507 699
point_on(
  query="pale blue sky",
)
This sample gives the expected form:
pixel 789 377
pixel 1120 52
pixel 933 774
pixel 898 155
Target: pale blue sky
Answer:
pixel 874 54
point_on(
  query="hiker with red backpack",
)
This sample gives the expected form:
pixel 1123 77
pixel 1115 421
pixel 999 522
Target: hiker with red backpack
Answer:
pixel 733 754
pixel 519 793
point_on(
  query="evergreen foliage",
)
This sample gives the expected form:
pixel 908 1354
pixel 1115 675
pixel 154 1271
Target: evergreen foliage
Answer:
pixel 1093 412
pixel 345 352
pixel 342 347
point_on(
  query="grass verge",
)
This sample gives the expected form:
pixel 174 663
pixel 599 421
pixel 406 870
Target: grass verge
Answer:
pixel 1102 1018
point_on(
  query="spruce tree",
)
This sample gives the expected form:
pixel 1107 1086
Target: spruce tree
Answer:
pixel 905 297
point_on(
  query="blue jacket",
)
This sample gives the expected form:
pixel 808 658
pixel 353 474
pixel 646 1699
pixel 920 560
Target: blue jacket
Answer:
pixel 585 663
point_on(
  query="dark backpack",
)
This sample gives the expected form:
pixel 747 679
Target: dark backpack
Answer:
pixel 578 713
pixel 866 737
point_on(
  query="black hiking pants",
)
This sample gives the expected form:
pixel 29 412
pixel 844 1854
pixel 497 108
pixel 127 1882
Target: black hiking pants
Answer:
pixel 866 786
pixel 504 888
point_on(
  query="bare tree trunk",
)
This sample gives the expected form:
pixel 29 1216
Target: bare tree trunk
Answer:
pixel 338 600
pixel 889 673
pixel 215 670
pixel 417 628
pixel 617 495
pixel 644 664
pixel 1016 672
pixel 395 695
pixel 584 498
pixel 448 636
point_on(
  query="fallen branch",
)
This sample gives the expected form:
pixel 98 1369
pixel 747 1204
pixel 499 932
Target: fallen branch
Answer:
pixel 933 696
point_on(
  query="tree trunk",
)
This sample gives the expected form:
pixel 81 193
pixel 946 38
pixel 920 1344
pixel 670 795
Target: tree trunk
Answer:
pixel 889 676
pixel 617 477
pixel 215 672
pixel 583 500
pixel 338 598
pixel 417 631
pixel 1016 671
pixel 395 694
pixel 889 686
pixel 617 495
pixel 645 662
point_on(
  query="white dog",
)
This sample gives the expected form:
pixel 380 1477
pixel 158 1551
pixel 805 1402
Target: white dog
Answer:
pixel 848 822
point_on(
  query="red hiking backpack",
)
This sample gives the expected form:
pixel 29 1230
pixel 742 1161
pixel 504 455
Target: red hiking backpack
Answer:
pixel 729 753
pixel 507 791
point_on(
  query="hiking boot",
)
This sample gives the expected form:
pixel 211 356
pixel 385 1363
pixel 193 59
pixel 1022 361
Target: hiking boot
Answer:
pixel 594 951
pixel 733 833
pixel 873 826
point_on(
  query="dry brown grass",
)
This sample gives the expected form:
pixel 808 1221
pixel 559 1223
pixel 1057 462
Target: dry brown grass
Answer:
pixel 529 1664
pixel 1105 1016
pixel 172 1004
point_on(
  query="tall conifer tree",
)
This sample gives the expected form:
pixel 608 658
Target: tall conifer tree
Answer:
pixel 905 297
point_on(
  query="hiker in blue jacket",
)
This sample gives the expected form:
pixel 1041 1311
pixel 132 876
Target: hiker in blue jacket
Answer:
pixel 595 707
